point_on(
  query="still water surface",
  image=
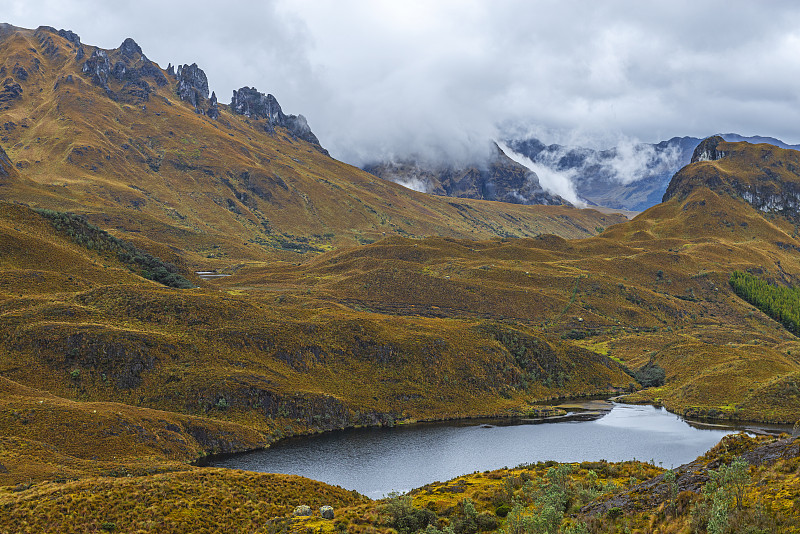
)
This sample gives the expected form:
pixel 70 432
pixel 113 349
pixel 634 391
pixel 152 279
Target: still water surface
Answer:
pixel 375 461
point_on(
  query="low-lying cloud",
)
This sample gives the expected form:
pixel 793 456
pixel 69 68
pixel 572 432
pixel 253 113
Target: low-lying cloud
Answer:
pixel 383 80
pixel 552 180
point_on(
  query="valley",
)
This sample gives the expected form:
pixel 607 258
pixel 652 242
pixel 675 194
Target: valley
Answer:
pixel 348 302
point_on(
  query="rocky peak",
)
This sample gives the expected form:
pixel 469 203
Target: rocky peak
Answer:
pixel 193 88
pixel 213 110
pixel 707 150
pixel 253 104
pixel 192 84
pixel 129 48
pixel 131 68
pixel 765 176
pixel 70 36
pixel 249 102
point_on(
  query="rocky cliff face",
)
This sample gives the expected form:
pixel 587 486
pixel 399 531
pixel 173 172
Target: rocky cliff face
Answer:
pixel 251 103
pixel 193 88
pixel 765 176
pixel 500 179
pixel 128 69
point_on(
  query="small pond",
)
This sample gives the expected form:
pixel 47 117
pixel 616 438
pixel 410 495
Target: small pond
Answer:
pixel 376 461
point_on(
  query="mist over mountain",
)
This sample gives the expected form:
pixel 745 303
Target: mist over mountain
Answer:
pixel 629 176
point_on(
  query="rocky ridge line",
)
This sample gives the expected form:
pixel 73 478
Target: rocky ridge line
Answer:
pixel 251 103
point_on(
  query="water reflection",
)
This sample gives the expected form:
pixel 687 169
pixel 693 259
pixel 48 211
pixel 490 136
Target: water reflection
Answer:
pixel 377 461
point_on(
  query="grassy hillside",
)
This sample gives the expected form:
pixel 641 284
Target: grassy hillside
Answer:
pixel 652 290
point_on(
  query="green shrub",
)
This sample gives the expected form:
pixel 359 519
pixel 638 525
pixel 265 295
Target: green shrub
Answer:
pixel 502 510
pixel 89 236
pixel 651 375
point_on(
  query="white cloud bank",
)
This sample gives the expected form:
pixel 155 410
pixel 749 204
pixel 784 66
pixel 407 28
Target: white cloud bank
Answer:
pixel 377 78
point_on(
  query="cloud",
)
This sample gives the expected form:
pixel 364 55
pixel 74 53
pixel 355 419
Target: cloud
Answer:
pixel 552 180
pixel 379 78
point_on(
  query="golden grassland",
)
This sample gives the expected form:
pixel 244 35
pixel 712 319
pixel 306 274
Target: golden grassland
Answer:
pixel 193 500
pixel 654 289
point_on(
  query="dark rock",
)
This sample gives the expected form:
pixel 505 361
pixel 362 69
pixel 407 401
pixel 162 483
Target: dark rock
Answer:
pixel 170 70
pixel 11 91
pixel 707 150
pixel 129 48
pixel 151 70
pixel 119 70
pixel 19 72
pixel 192 86
pixel 127 69
pixel 213 109
pixel 326 512
pixel 70 36
pixel 49 48
pixel 98 67
pixel 80 54
pixel 249 102
pixel 135 91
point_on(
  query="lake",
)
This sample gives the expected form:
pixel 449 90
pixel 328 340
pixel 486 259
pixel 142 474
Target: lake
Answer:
pixel 376 461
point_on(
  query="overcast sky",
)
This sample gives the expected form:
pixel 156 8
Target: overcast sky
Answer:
pixel 377 78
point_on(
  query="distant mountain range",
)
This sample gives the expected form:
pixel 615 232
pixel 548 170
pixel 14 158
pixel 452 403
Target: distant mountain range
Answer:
pixel 628 177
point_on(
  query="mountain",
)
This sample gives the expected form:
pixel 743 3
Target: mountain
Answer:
pixel 148 154
pixel 499 178
pixel 630 177
pixel 763 175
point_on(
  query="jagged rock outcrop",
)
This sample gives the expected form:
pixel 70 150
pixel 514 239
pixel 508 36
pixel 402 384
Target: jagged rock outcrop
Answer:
pixel 193 88
pixel 251 103
pixel 129 48
pixel 131 68
pixel 70 36
pixel 213 109
pixel 707 150
pixel 500 178
pixel 98 67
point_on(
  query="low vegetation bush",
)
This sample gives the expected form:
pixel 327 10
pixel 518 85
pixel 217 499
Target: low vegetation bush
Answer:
pixel 651 375
pixel 89 236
